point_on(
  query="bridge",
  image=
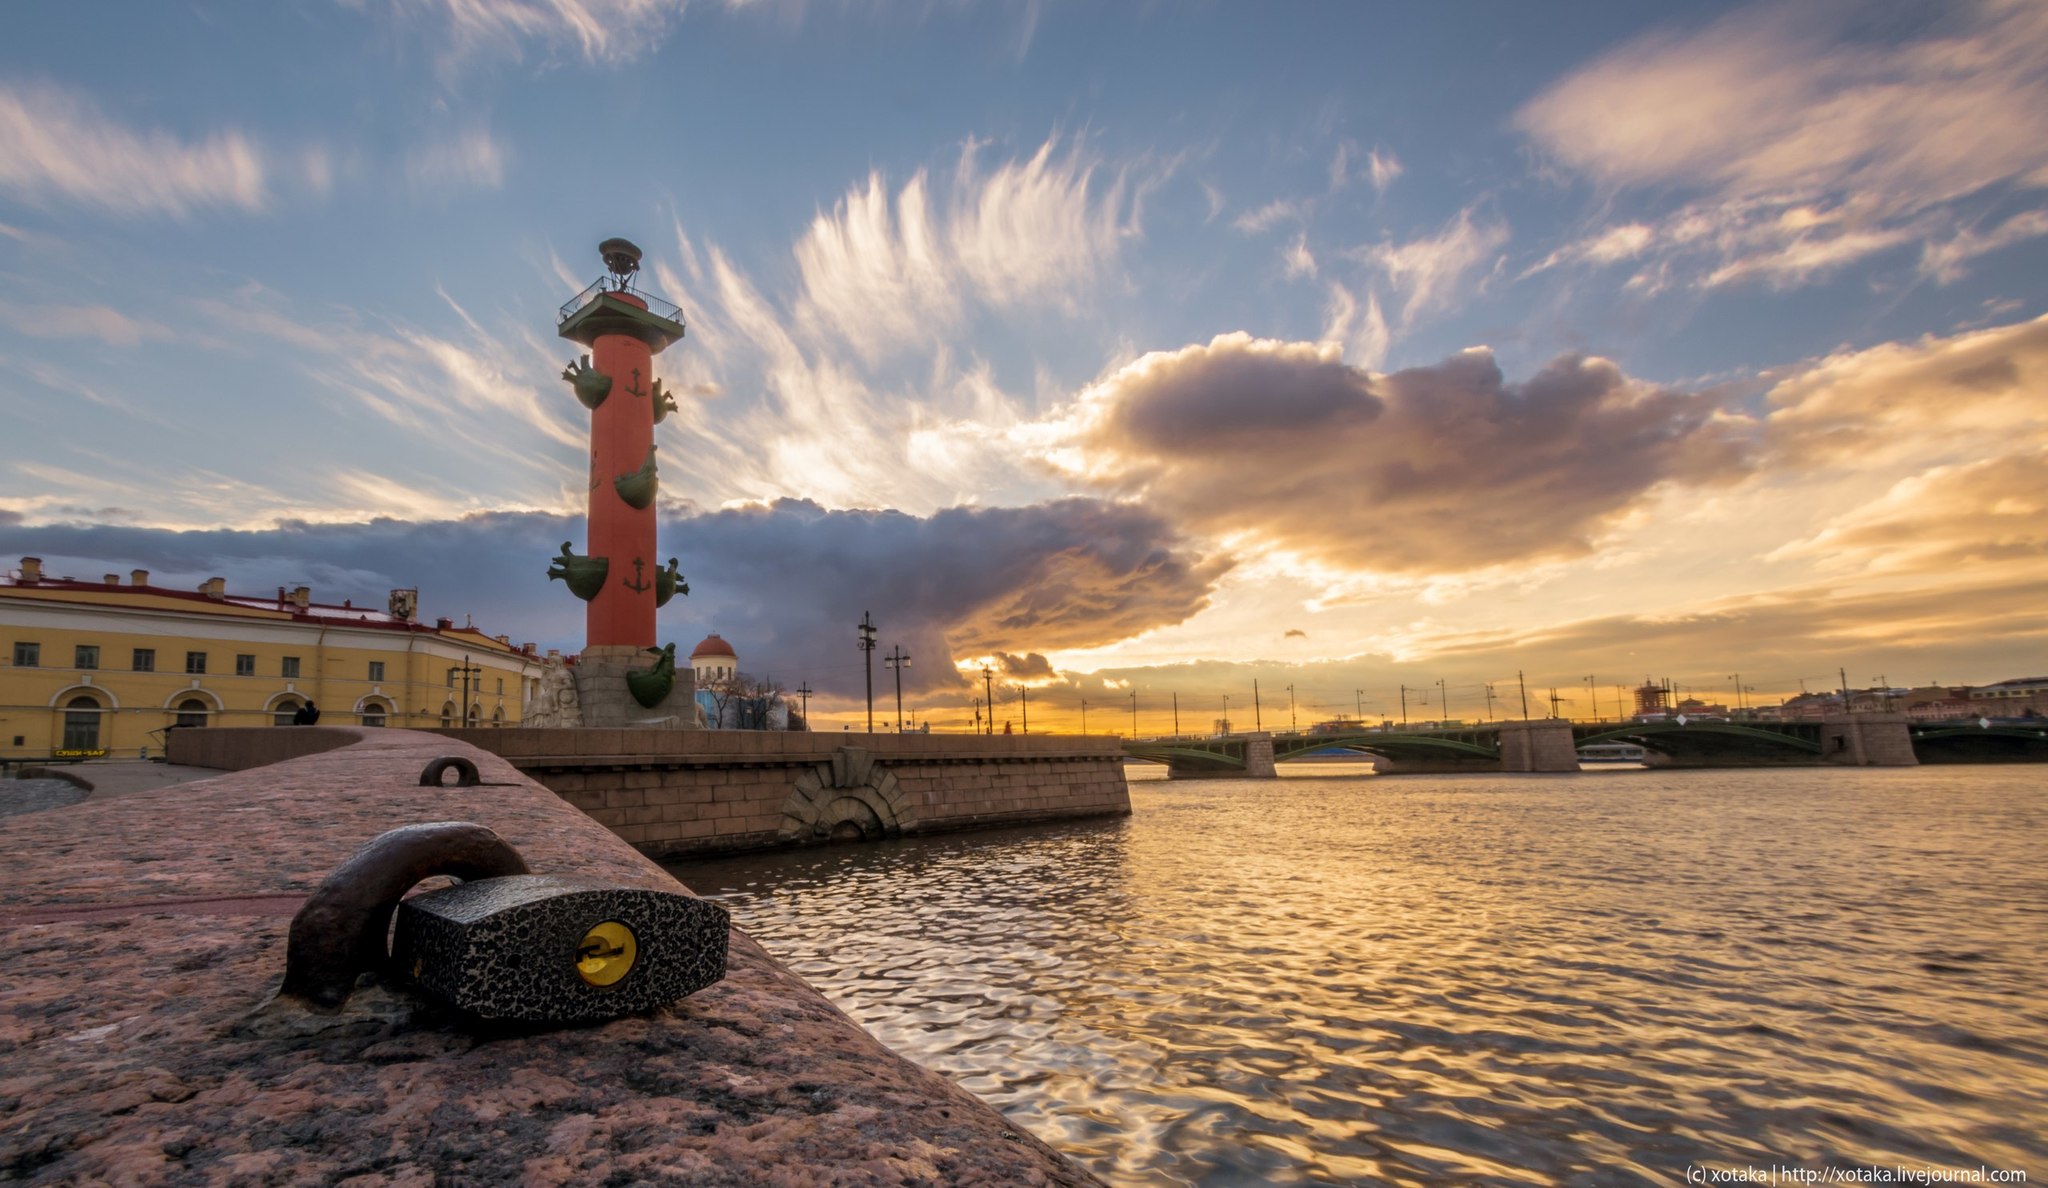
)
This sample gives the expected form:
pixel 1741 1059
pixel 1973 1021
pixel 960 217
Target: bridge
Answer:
pixel 1551 745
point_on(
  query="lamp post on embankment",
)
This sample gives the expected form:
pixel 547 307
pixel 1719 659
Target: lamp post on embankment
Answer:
pixel 896 661
pixel 867 655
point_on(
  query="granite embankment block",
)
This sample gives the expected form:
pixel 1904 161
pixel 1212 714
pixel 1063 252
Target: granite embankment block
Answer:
pixel 140 932
pixel 727 790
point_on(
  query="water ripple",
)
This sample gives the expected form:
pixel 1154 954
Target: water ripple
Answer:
pixel 1515 980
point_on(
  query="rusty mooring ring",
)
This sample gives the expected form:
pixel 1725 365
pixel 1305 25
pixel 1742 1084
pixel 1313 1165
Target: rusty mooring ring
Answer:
pixel 465 772
pixel 341 931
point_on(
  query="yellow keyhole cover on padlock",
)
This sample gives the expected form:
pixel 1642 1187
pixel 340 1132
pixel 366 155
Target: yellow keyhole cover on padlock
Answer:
pixel 606 954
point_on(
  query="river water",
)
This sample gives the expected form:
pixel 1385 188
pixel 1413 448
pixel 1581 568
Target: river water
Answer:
pixel 1613 977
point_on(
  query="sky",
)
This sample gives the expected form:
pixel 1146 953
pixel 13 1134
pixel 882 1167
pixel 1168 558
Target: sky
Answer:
pixel 1372 353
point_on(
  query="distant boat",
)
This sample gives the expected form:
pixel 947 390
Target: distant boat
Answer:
pixel 1611 753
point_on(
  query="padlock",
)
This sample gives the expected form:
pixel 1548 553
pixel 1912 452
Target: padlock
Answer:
pixel 542 949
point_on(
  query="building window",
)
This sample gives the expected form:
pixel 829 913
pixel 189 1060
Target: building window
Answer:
pixel 82 724
pixel 451 678
pixel 291 667
pixel 191 712
pixel 27 655
pixel 85 656
pixel 283 712
pixel 195 663
pixel 376 671
pixel 373 714
pixel 245 665
pixel 447 714
pixel 501 686
pixel 498 716
pixel 472 716
pixel 145 660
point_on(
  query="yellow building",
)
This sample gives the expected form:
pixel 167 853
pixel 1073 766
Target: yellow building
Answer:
pixel 98 667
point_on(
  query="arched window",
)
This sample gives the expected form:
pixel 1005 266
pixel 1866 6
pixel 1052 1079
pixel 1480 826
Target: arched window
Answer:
pixel 373 713
pixel 472 717
pixel 282 712
pixel 447 714
pixel 498 716
pixel 191 712
pixel 81 724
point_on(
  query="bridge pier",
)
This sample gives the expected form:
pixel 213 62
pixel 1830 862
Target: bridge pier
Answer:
pixel 1258 756
pixel 1867 740
pixel 1541 744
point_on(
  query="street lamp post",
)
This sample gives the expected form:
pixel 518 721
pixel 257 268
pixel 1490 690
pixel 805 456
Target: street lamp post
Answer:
pixel 1084 715
pixel 467 670
pixel 867 655
pixel 1258 715
pixel 897 660
pixel 1134 713
pixel 1292 722
pixel 1443 702
pixel 988 688
pixel 1176 713
pixel 804 692
pixel 1024 704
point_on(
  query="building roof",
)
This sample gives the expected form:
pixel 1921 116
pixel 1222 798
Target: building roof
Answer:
pixel 713 646
pixel 285 606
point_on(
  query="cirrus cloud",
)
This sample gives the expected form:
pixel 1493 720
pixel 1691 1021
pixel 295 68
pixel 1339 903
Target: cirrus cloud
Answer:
pixel 1808 144
pixel 56 147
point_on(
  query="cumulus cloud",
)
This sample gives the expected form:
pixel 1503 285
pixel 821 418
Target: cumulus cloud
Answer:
pixel 1963 518
pixel 1808 144
pixel 1938 400
pixel 785 583
pixel 1430 469
pixel 56 147
pixel 1031 666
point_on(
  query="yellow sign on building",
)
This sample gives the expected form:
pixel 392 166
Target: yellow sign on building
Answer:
pixel 106 667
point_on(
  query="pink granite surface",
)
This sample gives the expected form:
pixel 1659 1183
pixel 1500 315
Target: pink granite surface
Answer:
pixel 141 932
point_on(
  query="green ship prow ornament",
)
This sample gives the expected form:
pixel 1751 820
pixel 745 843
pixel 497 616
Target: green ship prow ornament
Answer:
pixel 651 687
pixel 584 575
pixel 590 385
pixel 638 487
pixel 667 583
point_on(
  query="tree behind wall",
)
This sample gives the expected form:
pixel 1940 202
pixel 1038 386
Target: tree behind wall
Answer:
pixel 746 702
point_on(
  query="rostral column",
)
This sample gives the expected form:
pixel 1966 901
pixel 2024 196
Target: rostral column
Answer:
pixel 622 678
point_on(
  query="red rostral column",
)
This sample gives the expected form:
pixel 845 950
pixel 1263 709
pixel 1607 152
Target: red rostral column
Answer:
pixel 621 579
